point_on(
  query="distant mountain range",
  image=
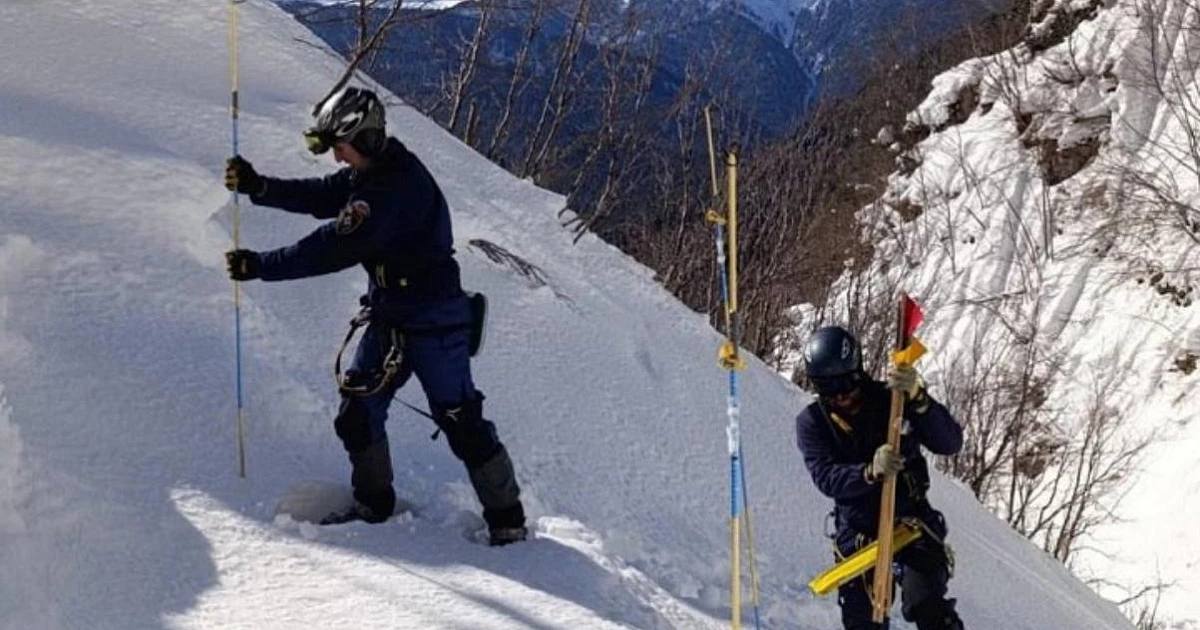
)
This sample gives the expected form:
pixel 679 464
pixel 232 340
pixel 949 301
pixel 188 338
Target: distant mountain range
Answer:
pixel 821 34
pixel 779 54
pixel 756 65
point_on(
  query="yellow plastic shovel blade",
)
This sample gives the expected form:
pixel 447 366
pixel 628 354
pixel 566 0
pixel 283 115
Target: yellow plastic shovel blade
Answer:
pixel 860 562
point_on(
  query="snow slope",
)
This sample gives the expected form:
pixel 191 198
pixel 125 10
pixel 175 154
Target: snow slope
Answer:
pixel 1035 225
pixel 120 506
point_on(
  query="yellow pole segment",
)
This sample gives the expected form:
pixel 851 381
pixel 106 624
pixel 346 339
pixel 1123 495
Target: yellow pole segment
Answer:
pixel 754 582
pixel 731 177
pixel 233 113
pixel 712 153
pixel 736 575
pixel 715 217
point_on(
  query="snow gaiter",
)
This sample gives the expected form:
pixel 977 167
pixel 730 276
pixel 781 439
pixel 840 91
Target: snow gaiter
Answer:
pixel 496 486
pixel 474 441
pixel 371 476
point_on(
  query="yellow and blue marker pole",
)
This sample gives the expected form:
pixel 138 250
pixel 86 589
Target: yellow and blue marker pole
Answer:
pixel 733 410
pixel 237 221
pixel 725 230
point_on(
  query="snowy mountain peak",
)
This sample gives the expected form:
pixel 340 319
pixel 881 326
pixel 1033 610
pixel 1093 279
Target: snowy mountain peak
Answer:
pixel 777 17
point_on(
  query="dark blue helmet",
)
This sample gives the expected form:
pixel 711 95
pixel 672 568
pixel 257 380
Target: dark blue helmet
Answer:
pixel 833 360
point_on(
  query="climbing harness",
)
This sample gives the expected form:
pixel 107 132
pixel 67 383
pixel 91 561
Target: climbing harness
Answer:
pixel 394 357
pixel 387 371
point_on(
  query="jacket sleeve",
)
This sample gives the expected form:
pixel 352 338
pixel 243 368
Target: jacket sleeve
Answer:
pixel 321 197
pixel 838 480
pixel 937 430
pixel 326 250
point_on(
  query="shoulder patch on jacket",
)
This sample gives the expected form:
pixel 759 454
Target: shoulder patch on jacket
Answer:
pixel 352 216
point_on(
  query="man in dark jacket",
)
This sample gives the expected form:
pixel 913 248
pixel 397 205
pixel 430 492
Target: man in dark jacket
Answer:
pixel 843 436
pixel 389 216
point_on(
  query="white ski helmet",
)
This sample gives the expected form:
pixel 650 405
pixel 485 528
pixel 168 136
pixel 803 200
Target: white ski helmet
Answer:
pixel 353 115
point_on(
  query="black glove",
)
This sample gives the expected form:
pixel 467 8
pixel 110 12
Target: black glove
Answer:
pixel 240 176
pixel 242 264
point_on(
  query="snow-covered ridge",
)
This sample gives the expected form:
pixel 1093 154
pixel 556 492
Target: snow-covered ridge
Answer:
pixel 126 508
pixel 1049 205
pixel 777 17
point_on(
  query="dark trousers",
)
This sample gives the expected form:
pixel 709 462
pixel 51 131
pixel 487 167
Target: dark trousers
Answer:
pixel 442 364
pixel 924 573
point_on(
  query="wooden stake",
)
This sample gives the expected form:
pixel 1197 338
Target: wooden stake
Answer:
pixel 882 592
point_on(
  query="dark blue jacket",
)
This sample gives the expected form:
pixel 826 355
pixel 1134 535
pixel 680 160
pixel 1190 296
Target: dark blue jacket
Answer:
pixel 393 220
pixel 838 450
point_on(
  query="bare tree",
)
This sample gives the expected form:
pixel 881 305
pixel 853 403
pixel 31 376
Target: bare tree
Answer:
pixel 370 39
pixel 520 77
pixel 1083 490
pixel 556 104
pixel 613 148
pixel 1160 172
pixel 458 85
pixel 1141 603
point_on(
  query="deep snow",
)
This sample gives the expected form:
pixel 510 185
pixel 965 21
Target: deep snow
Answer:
pixel 120 506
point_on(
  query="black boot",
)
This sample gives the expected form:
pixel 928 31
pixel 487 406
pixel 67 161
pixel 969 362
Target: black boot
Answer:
pixel 506 536
pixel 371 476
pixel 355 512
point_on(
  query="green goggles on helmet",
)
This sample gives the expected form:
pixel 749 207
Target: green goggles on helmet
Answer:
pixel 318 142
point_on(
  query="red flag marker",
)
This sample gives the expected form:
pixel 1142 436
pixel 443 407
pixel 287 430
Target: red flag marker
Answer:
pixel 913 315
